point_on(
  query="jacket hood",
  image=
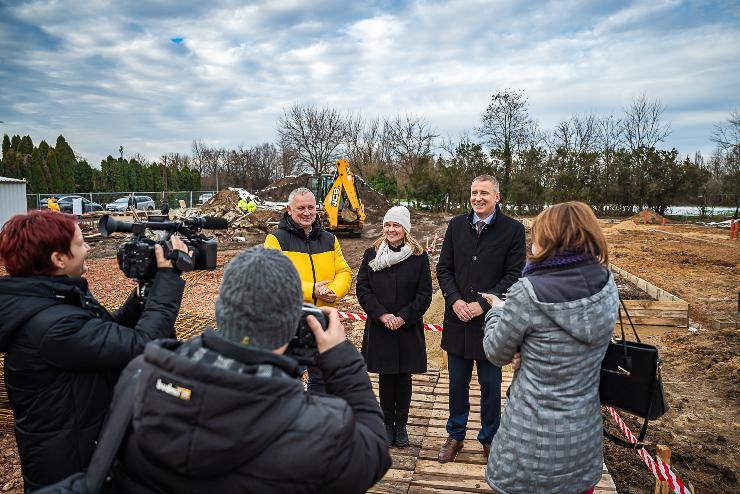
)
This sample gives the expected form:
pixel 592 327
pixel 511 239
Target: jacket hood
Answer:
pixel 583 318
pixel 203 419
pixel 287 223
pixel 22 298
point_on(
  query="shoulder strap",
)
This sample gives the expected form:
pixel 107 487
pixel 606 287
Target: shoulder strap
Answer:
pixel 111 436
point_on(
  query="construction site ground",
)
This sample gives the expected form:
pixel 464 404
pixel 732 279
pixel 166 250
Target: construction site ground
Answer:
pixel 701 365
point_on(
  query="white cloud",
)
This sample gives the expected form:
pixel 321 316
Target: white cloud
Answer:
pixel 106 73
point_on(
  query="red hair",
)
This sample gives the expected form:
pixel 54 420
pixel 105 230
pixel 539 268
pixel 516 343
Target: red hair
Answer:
pixel 28 240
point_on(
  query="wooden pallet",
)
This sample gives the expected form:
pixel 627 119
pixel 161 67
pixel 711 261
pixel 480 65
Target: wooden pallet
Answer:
pixel 415 470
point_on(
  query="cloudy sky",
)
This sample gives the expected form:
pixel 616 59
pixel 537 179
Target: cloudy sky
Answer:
pixel 154 75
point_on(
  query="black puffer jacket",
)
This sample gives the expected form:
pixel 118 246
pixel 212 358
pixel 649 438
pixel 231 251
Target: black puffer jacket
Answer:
pixel 240 421
pixel 63 355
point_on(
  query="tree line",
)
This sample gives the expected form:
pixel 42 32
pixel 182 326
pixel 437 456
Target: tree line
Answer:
pixel 59 170
pixel 614 162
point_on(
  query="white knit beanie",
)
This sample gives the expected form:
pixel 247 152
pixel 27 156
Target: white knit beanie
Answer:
pixel 400 215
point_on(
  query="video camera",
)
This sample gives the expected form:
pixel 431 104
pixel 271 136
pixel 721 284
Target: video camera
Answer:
pixel 302 346
pixel 136 256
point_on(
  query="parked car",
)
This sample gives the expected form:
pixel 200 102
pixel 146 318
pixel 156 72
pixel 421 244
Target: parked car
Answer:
pixel 141 202
pixel 203 198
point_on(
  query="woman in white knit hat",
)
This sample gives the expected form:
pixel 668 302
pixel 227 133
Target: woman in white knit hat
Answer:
pixel 394 287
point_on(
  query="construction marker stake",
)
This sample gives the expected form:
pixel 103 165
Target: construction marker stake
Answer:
pixel 660 470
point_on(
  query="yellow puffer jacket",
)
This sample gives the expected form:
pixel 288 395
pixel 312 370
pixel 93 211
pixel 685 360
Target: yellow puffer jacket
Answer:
pixel 317 257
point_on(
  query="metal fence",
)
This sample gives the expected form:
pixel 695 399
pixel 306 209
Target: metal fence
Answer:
pixel 192 198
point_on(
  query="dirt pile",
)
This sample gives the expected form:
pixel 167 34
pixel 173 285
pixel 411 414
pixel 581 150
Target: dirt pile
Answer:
pixel 651 216
pixel 241 224
pixel 279 190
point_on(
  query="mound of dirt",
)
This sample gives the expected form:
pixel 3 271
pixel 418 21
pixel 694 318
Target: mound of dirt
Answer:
pixel 279 190
pixel 241 224
pixel 651 216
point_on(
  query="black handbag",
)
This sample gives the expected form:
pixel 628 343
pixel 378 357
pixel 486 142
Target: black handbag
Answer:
pixel 631 380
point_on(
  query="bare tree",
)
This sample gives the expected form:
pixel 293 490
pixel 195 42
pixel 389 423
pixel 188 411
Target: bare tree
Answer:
pixel 409 140
pixel 287 164
pixel 577 135
pixel 208 161
pixel 507 128
pixel 727 135
pixel 264 161
pixel 366 148
pixel 642 125
pixel 315 134
pixel 140 159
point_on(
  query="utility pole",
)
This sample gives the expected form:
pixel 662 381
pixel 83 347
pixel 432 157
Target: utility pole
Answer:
pixel 120 150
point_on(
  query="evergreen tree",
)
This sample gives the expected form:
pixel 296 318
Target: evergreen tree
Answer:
pixel 67 164
pixel 38 173
pixel 15 142
pixel 6 146
pixel 11 164
pixel 57 184
pixel 83 177
pixel 25 146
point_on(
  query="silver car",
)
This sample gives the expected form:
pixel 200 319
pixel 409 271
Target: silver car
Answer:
pixel 141 203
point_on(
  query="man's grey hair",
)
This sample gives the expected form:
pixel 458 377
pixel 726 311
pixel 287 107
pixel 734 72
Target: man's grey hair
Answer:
pixel 300 191
pixel 486 178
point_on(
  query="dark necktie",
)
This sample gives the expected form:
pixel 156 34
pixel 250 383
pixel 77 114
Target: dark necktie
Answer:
pixel 479 225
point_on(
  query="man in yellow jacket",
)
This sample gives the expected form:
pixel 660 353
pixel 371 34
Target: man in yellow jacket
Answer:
pixel 315 252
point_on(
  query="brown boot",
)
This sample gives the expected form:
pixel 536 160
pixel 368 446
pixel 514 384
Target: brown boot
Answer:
pixel 486 450
pixel 449 450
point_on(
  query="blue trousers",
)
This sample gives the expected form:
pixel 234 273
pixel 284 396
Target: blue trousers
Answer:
pixel 489 378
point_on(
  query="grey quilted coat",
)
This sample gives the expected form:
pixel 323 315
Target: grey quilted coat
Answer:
pixel 550 440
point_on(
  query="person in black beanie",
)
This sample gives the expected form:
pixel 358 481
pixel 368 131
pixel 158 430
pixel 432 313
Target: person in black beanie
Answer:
pixel 226 411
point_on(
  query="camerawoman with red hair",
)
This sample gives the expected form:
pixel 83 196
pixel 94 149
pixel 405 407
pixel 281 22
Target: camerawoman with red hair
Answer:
pixel 63 349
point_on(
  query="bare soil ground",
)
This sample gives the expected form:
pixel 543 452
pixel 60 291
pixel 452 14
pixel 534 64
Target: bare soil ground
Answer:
pixel 700 370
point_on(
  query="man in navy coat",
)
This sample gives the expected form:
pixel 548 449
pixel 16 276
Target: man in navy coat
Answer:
pixel 483 252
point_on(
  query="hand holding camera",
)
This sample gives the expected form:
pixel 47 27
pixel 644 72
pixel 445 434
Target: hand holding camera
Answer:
pixel 330 337
pixel 167 261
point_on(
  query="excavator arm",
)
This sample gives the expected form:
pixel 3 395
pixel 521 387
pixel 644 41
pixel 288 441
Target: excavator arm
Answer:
pixel 344 182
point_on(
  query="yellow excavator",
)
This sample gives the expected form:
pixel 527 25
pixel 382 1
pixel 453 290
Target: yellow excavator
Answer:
pixel 340 207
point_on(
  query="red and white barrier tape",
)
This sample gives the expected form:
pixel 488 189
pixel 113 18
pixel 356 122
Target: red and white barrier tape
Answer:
pixel 660 470
pixel 433 247
pixel 362 317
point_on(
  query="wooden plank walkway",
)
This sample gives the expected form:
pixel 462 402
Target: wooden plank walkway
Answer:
pixel 415 469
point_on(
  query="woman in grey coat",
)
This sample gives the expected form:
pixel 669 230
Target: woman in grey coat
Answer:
pixel 559 316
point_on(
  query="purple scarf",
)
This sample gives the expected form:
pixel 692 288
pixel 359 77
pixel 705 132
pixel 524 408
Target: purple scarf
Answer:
pixel 562 258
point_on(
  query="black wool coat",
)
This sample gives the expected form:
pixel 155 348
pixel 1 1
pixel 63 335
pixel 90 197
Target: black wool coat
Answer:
pixel 405 290
pixel 469 264
pixel 63 355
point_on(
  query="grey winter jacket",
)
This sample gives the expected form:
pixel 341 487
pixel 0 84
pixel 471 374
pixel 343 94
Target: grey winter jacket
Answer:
pixel 550 439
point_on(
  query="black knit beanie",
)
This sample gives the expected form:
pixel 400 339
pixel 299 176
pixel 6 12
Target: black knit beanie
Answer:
pixel 259 302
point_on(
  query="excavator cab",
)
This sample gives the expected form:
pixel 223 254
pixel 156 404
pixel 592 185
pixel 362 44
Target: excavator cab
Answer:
pixel 340 206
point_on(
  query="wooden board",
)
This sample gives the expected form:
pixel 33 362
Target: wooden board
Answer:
pixel 466 473
pixel 647 287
